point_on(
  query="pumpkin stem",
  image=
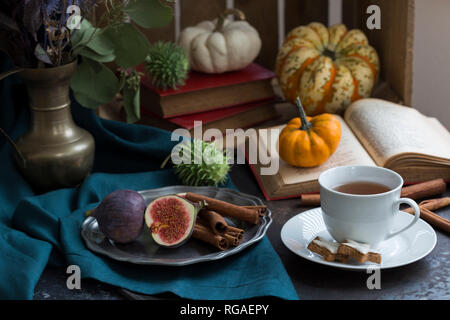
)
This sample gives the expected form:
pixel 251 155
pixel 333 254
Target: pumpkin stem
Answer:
pixel 221 18
pixel 330 54
pixel 306 125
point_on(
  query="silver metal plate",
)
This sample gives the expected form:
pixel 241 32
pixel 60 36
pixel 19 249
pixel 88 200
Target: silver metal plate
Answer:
pixel 145 251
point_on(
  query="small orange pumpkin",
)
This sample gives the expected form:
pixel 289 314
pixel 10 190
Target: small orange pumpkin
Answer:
pixel 309 141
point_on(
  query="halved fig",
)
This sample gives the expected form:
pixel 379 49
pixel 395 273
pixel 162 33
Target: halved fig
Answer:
pixel 171 220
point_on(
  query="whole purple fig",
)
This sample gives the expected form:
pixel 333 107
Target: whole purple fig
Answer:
pixel 120 215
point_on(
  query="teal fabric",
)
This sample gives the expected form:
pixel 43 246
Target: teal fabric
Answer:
pixel 41 230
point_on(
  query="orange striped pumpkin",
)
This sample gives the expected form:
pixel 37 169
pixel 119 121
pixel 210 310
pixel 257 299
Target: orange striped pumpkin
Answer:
pixel 328 68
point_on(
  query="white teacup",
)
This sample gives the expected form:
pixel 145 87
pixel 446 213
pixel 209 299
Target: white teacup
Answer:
pixel 363 218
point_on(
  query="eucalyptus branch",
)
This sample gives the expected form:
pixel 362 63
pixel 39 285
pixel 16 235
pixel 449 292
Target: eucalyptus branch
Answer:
pixel 84 45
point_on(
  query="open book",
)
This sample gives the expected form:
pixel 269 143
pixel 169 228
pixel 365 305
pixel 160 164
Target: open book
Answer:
pixel 374 133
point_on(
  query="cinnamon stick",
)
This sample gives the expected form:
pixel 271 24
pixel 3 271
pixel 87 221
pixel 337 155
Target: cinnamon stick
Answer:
pixel 415 192
pixel 216 222
pixel 236 232
pixel 234 241
pixel 424 189
pixel 310 199
pixel 204 234
pixel 261 209
pixel 226 209
pixel 432 218
pixel 433 204
pixel 230 230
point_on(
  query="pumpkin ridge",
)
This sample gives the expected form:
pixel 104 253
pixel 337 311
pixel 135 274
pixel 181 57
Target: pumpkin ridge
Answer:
pixel 197 39
pixel 328 140
pixel 362 43
pixel 294 49
pixel 318 35
pixel 191 45
pixel 318 148
pixel 295 78
pixel 306 147
pixel 293 37
pixel 328 92
pixel 356 95
pixel 367 61
pixel 342 37
pixel 226 48
pixel 354 33
pixel 338 41
pixel 291 141
pixel 212 48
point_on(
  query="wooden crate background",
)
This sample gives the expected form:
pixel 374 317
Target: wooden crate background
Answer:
pixel 394 42
pixel 262 14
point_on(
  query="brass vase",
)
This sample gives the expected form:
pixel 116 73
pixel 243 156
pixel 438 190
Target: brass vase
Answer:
pixel 55 152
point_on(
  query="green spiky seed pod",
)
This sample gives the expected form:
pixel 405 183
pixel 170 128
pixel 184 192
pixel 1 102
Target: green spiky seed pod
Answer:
pixel 208 166
pixel 167 65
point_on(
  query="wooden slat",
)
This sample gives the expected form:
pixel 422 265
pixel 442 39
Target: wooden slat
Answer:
pixel 195 11
pixel 393 42
pixel 163 34
pixel 350 13
pixel 400 68
pixel 263 16
pixel 301 12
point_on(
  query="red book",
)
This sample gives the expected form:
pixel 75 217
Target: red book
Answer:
pixel 242 116
pixel 204 92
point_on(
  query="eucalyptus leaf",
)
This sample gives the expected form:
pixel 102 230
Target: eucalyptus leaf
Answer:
pixel 94 83
pixel 131 103
pixel 101 43
pixel 92 38
pixel 86 101
pixel 130 45
pixel 82 35
pixel 87 52
pixel 149 13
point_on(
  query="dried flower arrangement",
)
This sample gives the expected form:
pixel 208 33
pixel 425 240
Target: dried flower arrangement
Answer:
pixel 50 33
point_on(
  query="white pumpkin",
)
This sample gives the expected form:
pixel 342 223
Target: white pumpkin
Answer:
pixel 221 45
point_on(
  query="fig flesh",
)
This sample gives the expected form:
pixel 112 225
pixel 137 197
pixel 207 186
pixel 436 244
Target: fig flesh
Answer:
pixel 120 215
pixel 171 220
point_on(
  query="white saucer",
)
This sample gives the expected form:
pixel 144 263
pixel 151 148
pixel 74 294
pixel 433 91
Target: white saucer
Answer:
pixel 407 247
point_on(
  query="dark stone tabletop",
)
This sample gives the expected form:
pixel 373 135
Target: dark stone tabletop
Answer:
pixel 428 278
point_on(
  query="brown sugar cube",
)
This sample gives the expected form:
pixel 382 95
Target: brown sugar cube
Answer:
pixel 327 249
pixel 360 252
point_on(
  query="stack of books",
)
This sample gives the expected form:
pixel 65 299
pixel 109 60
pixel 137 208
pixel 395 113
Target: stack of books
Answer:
pixel 232 100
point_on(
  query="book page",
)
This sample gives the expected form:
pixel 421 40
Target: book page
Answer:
pixel 349 152
pixel 387 130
